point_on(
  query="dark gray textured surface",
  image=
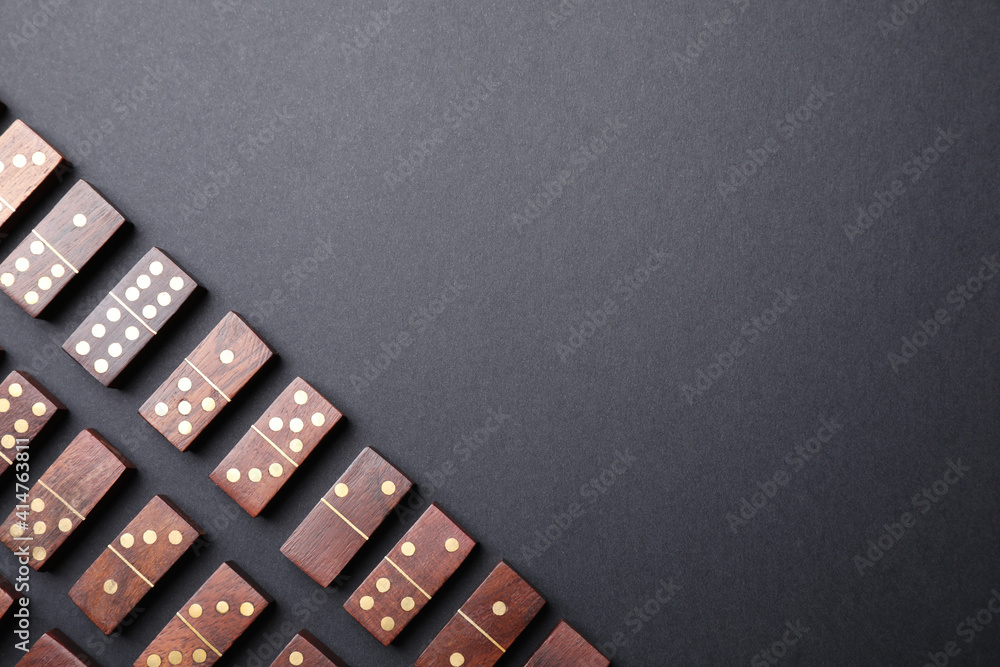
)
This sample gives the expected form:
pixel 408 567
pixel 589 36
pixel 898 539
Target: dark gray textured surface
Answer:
pixel 253 144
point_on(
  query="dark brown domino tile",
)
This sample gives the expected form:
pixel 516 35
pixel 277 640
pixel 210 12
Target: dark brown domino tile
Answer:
pixel 26 162
pixel 58 248
pixel 343 520
pixel 130 316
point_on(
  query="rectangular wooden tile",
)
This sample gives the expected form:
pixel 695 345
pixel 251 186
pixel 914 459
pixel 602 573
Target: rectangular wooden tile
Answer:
pixel 306 650
pixel 26 407
pixel 274 447
pixel 343 520
pixel 130 316
pixel 487 624
pixel 8 596
pixel 210 622
pixel 55 649
pixel 63 497
pixel 564 647
pixel 206 381
pixel 134 562
pixel 26 162
pixel 59 248
pixel 407 578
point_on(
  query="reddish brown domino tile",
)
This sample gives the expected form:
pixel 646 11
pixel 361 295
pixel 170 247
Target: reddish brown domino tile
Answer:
pixel 566 648
pixel 63 497
pixel 274 447
pixel 410 575
pixel 487 624
pixel 134 562
pixel 206 381
pixel 343 520
pixel 210 622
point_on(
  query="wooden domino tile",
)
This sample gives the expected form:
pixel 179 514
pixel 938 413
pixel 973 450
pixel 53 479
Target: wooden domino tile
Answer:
pixel 210 622
pixel 63 497
pixel 206 381
pixel 340 524
pixel 407 578
pixel 8 596
pixel 132 564
pixel 305 649
pixel 26 407
pixel 566 648
pixel 487 624
pixel 58 248
pixel 271 451
pixel 26 161
pixel 55 649
pixel 130 315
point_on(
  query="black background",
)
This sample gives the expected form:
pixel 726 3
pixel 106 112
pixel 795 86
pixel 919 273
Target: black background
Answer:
pixel 251 140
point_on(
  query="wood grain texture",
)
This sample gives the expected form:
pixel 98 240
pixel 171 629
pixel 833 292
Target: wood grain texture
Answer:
pixel 134 562
pixel 564 647
pixel 306 650
pixel 8 596
pixel 206 381
pixel 63 497
pixel 275 446
pixel 343 520
pixel 26 407
pixel 59 248
pixel 55 649
pixel 410 575
pixel 27 162
pixel 210 622
pixel 129 317
pixel 487 624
